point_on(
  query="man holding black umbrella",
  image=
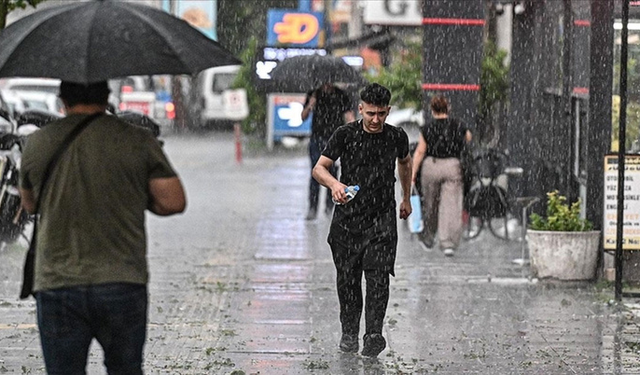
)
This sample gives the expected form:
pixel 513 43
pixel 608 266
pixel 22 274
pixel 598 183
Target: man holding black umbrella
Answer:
pixel 91 270
pixel 331 108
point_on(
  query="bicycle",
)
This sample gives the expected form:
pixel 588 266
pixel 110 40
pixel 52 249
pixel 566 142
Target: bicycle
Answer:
pixel 488 203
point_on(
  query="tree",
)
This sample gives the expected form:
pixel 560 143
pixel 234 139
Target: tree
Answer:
pixel 256 100
pixel 494 90
pixel 404 77
pixel 241 20
pixel 7 6
pixel 242 28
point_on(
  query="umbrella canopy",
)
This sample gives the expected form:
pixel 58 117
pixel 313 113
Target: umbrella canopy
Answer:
pixel 304 73
pixel 87 42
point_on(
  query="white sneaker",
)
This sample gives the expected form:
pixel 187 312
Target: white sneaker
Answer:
pixel 448 252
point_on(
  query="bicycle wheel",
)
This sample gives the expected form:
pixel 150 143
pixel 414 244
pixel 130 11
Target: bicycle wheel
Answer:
pixel 472 227
pixel 505 228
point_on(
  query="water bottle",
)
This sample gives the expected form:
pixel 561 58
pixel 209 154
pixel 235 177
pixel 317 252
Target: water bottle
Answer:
pixel 351 192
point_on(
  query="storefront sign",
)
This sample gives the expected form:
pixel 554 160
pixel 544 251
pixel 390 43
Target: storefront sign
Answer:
pixel 293 28
pixel 393 12
pixel 284 117
pixel 631 227
pixel 271 56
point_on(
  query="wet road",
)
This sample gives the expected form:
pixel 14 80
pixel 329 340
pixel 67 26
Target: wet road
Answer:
pixel 241 282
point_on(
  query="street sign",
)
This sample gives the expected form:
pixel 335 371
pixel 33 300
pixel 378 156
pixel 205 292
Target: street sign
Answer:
pixel 235 104
pixel 284 117
pixel 631 227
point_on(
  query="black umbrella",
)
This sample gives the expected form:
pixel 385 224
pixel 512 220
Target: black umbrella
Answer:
pixel 95 41
pixel 304 73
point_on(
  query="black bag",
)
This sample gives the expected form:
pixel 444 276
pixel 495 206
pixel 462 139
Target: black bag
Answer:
pixel 29 262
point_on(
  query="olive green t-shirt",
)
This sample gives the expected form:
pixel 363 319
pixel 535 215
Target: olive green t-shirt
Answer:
pixel 92 215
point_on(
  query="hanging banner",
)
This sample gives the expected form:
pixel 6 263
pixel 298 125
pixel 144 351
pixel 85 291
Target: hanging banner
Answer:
pixel 631 227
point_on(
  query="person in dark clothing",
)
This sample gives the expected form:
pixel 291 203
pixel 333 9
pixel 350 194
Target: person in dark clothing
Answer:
pixel 440 147
pixel 363 235
pixel 331 108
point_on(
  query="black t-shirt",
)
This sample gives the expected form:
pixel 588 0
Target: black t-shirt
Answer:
pixel 328 113
pixel 368 160
pixel 444 137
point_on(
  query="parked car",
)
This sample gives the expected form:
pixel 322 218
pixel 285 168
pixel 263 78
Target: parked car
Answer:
pixel 148 95
pixel 11 103
pixel 409 119
pixel 210 86
pixel 49 85
pixel 41 100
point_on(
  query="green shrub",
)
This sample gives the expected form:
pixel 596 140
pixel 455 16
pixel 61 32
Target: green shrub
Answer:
pixel 561 217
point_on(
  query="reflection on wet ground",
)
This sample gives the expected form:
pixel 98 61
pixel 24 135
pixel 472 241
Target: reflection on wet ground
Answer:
pixel 241 282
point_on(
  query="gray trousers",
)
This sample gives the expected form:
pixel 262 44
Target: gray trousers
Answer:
pixel 442 195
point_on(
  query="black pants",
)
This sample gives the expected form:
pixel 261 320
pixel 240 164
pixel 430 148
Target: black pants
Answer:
pixel 349 284
pixel 315 151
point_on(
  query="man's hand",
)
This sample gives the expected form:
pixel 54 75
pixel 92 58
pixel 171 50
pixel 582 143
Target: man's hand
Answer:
pixel 405 209
pixel 309 107
pixel 338 192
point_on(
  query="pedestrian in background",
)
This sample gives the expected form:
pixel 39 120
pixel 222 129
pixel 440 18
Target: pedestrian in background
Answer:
pixel 363 234
pixel 331 108
pixel 91 270
pixel 442 141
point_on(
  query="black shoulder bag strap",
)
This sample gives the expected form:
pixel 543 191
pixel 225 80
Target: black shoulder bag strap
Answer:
pixel 29 263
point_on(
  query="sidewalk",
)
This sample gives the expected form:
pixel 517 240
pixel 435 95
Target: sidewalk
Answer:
pixel 241 283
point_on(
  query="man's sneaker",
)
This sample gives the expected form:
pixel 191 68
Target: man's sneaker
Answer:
pixel 349 343
pixel 448 252
pixel 373 345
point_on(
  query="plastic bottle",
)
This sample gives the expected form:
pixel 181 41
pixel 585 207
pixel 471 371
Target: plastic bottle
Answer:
pixel 351 192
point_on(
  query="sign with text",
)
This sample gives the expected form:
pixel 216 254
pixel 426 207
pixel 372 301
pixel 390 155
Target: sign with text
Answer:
pixel 631 227
pixel 286 27
pixel 269 57
pixel 393 12
pixel 284 117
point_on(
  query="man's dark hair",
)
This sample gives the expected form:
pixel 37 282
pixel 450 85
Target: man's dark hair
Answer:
pixel 376 94
pixel 79 93
pixel 439 104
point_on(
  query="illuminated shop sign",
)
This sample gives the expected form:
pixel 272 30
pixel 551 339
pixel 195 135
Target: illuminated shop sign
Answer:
pixel 286 27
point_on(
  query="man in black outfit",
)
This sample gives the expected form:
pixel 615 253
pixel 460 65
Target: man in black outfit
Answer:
pixel 331 108
pixel 363 234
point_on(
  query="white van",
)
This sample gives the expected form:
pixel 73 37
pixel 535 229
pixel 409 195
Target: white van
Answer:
pixel 210 85
pixel 49 85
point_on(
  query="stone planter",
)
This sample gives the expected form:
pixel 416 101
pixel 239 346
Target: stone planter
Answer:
pixel 564 255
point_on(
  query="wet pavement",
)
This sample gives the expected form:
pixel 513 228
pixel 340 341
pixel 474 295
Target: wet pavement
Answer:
pixel 242 284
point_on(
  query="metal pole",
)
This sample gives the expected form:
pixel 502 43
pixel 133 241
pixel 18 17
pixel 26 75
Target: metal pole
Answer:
pixel 237 132
pixel 621 147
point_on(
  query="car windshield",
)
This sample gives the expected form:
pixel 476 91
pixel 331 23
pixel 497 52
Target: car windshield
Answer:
pixel 30 103
pixel 223 81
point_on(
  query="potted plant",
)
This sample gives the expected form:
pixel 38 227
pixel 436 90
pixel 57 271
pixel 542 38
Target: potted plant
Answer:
pixel 562 245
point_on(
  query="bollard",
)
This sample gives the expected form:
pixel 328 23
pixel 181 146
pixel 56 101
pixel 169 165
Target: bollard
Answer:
pixel 238 136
